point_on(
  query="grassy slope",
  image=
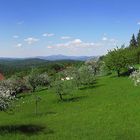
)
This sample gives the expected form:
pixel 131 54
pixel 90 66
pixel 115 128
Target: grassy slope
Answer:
pixel 109 111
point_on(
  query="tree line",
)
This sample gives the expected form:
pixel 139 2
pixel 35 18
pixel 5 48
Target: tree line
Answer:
pixel 124 58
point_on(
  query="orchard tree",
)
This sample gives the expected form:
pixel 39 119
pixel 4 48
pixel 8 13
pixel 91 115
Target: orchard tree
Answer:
pixel 35 80
pixel 83 76
pixel 11 85
pixel 87 75
pixel 43 79
pixel 16 84
pixel 119 59
pixel 95 65
pixel 63 86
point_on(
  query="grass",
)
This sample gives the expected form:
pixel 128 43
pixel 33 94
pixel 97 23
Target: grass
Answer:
pixel 108 111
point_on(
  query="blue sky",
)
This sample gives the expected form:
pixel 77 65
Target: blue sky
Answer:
pixel 71 27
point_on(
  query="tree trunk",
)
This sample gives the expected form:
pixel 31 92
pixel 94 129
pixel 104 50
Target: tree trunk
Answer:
pixel 138 58
pixel 118 72
pixel 95 71
pixel 60 95
pixel 36 105
pixel 34 89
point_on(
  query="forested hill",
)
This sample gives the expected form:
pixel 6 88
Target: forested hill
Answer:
pixel 23 62
pixel 9 66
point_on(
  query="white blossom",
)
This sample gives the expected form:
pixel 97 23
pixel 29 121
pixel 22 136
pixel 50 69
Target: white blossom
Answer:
pixel 135 76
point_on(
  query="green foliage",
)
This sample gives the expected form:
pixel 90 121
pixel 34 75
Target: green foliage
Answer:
pixel 120 59
pixel 138 39
pixel 84 76
pixel 95 65
pixel 17 83
pixel 35 79
pixel 14 84
pixel 63 86
pixel 133 42
pixel 44 79
pixel 9 67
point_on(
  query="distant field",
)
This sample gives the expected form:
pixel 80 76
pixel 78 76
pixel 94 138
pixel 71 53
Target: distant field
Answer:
pixel 108 111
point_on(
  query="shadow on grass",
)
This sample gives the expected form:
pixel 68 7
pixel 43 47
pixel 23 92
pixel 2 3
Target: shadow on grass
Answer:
pixel 40 114
pixel 73 99
pixel 48 113
pixel 30 93
pixel 124 74
pixel 91 86
pixel 42 89
pixel 28 129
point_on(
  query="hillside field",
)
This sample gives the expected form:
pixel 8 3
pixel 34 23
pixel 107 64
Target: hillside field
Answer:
pixel 110 110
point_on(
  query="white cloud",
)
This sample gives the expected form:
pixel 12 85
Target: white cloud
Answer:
pixel 19 45
pixel 15 36
pixel 109 40
pixel 104 38
pixel 31 40
pixel 138 23
pixel 49 47
pixel 65 37
pixel 48 34
pixel 79 46
pixel 76 43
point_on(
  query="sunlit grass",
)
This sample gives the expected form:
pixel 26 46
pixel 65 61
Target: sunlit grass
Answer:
pixel 109 110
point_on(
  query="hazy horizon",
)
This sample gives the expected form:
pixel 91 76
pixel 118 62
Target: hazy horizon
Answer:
pixel 57 55
pixel 30 28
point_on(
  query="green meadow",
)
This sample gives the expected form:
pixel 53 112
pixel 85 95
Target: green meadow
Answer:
pixel 109 110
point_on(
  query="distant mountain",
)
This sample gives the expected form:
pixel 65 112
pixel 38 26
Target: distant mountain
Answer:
pixel 50 58
pixel 63 57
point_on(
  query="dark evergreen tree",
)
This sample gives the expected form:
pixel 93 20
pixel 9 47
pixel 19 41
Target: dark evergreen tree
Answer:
pixel 133 42
pixel 138 39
